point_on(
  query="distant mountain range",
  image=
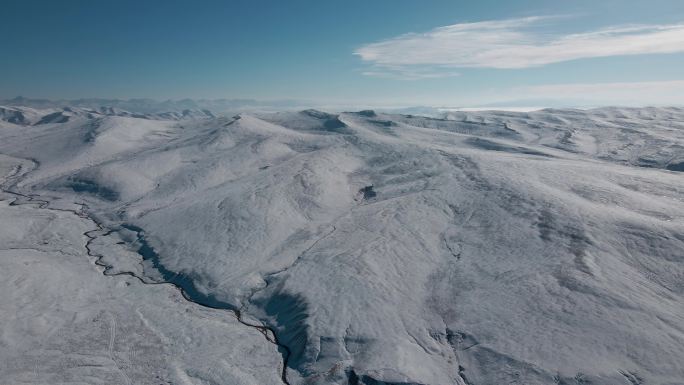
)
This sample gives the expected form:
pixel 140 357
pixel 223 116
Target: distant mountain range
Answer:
pixel 152 106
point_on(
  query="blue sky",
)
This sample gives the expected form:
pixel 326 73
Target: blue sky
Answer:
pixel 385 52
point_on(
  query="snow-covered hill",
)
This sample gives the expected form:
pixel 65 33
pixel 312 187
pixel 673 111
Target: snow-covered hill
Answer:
pixel 477 248
pixel 25 116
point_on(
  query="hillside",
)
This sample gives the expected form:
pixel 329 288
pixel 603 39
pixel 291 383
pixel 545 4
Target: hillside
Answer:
pixel 475 248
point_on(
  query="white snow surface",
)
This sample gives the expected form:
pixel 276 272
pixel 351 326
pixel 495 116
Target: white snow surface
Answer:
pixel 478 248
pixel 63 322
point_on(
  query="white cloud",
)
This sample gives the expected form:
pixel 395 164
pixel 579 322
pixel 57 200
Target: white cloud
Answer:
pixel 638 94
pixel 511 44
pixel 401 73
pixel 657 92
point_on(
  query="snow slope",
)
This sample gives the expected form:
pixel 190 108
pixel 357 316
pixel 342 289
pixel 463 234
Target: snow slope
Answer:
pixel 478 248
pixel 64 322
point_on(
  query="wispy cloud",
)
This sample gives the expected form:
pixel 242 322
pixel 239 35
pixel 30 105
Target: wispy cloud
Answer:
pixel 415 73
pixel 666 92
pixel 511 43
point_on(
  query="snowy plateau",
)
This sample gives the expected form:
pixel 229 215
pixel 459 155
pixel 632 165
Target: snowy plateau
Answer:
pixel 305 247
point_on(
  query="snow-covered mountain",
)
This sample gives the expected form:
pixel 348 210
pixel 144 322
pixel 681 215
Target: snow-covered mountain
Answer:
pixel 475 248
pixel 26 116
pixel 151 106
